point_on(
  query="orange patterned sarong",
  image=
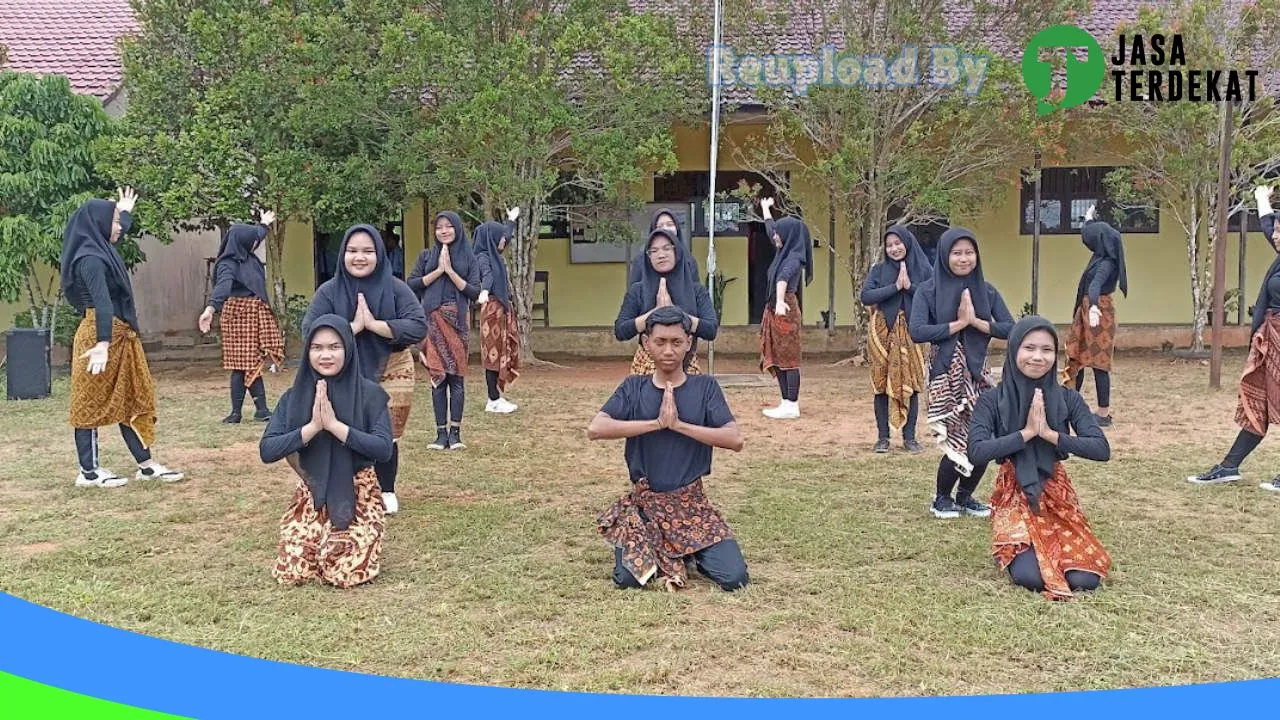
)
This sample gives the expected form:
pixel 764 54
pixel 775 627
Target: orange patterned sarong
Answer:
pixel 780 337
pixel 897 365
pixel 310 549
pixel 1089 347
pixel 500 342
pixel 1060 534
pixel 123 393
pixel 398 380
pixel 1259 403
pixel 250 337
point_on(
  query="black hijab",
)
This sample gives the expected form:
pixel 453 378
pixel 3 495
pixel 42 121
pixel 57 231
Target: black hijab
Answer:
pixel 887 271
pixel 237 248
pixel 488 237
pixel 947 288
pixel 88 234
pixel 795 243
pixel 379 292
pixel 682 288
pixel 689 264
pixel 328 466
pixel 1033 464
pixel 443 291
pixel 1105 244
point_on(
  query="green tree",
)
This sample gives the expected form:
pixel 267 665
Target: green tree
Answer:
pixel 47 140
pixel 237 105
pixel 912 150
pixel 526 100
pixel 1174 147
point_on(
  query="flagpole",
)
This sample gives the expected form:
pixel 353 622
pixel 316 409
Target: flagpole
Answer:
pixel 710 213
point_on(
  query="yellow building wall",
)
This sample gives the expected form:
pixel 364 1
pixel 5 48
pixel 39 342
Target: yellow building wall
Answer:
pixel 588 294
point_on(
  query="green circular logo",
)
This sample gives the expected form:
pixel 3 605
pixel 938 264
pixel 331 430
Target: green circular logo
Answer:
pixel 1083 77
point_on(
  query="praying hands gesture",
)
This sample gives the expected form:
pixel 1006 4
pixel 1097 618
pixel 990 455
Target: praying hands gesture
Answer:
pixel 904 280
pixel 664 296
pixel 323 417
pixel 1037 422
pixel 966 312
pixel 365 320
pixel 668 418
pixel 445 263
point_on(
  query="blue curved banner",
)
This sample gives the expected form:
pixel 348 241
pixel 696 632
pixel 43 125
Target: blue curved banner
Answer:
pixel 61 651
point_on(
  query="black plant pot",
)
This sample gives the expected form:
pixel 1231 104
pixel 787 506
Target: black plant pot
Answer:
pixel 28 364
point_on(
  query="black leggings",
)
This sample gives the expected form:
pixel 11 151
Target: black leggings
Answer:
pixel 447 399
pixel 87 447
pixel 1246 442
pixel 948 476
pixel 388 470
pixel 1025 572
pixel 789 384
pixel 257 389
pixel 1102 383
pixel 491 383
pixel 882 417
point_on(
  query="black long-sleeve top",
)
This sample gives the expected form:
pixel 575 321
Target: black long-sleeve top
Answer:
pixel 471 290
pixel 1088 441
pixel 633 306
pixel 278 442
pixel 91 276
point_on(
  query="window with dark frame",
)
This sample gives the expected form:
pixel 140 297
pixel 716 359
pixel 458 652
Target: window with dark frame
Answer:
pixel 1066 194
pixel 692 187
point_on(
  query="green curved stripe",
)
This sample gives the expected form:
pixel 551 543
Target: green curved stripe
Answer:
pixel 23 699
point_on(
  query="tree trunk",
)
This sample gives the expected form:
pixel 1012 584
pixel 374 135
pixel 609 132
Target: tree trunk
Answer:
pixel 1197 282
pixel 275 270
pixel 864 219
pixel 522 274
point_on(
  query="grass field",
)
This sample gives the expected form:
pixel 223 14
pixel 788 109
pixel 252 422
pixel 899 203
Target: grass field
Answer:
pixel 493 573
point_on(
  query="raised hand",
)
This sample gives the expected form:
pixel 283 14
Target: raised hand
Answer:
pixel 513 214
pixel 766 203
pixel 267 218
pixel 664 296
pixel 1262 192
pixel 206 320
pixel 127 199
pixel 667 416
pixel 1091 213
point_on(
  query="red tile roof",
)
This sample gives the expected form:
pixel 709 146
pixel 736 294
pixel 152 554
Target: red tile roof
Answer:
pixel 75 38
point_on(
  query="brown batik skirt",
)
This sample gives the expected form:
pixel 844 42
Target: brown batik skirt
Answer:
pixel 780 337
pixel 1258 406
pixel 123 393
pixel 250 337
pixel 1060 534
pixel 310 549
pixel 397 381
pixel 445 347
pixel 897 365
pixel 500 342
pixel 1089 347
pixel 952 396
pixel 657 530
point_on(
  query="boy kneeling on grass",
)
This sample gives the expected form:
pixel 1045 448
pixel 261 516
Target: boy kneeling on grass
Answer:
pixel 670 421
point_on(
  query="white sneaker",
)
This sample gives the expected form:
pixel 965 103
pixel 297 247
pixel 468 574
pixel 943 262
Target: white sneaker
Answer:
pixel 158 472
pixel 102 477
pixel 390 502
pixel 787 410
pixel 500 406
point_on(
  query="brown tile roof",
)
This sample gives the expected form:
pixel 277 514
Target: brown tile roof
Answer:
pixel 75 38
